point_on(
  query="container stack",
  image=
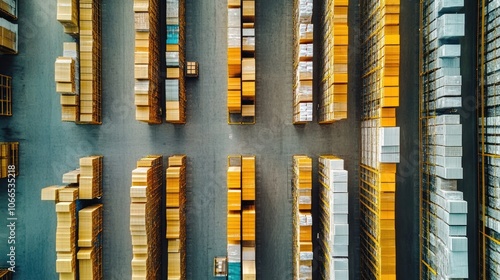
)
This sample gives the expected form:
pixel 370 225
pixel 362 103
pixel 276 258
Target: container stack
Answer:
pixel 234 219
pixel 8 37
pixel 147 61
pixel 303 62
pixel 5 96
pixel 78 71
pixel 71 177
pixel 448 230
pixel 379 137
pixel 489 123
pixel 79 226
pixel 241 62
pixel 66 239
pixel 175 84
pixel 9 157
pixel 302 247
pixel 90 177
pixel 90 62
pixel 145 208
pixel 248 222
pixel 443 224
pixel 387 144
pixel 175 217
pixel 377 195
pixel 67 77
pixel 334 211
pixel 445 133
pixel 67 15
pixel 90 242
pixel 241 217
pixel 333 92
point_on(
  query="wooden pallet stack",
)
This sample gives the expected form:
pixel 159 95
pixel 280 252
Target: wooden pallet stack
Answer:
pixel 175 216
pixel 9 157
pixel 68 15
pixel 5 96
pixel 241 62
pixel 241 217
pixel 334 211
pixel 302 247
pixel 333 92
pixel 90 62
pixel 79 224
pixel 303 62
pixel 145 208
pixel 175 84
pixel 67 77
pixel 147 62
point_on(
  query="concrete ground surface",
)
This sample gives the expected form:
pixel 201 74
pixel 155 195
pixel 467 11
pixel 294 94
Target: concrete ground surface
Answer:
pixel 50 147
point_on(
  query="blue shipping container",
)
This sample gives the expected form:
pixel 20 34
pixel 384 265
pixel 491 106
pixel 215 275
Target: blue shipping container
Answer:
pixel 234 271
pixel 172 34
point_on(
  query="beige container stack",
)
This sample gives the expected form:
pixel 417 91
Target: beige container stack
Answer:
pixel 241 216
pixel 90 62
pixel 9 155
pixel 146 68
pixel 78 71
pixel 66 239
pixel 90 242
pixel 175 217
pixel 91 177
pixel 67 15
pixel 67 77
pixel 77 258
pixel 145 208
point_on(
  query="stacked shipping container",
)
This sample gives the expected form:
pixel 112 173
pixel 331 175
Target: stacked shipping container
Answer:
pixel 443 210
pixel 175 88
pixel 379 137
pixel 303 62
pixel 488 128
